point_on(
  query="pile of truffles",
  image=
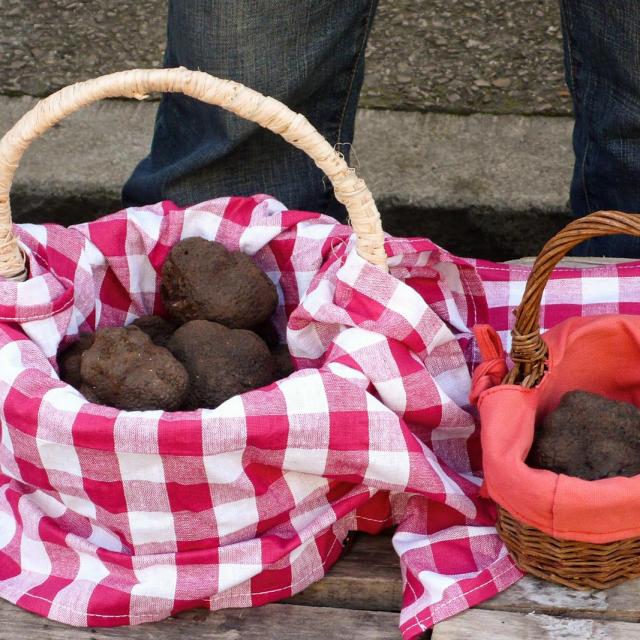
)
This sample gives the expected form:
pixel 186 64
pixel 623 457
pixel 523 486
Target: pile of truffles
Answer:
pixel 589 437
pixel 218 341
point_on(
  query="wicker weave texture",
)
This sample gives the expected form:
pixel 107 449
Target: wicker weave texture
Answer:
pixel 528 351
pixel 580 565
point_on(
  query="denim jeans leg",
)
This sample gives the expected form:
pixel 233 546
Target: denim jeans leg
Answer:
pixel 309 54
pixel 602 63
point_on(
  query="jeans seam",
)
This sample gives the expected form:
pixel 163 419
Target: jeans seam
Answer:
pixel 565 18
pixel 583 164
pixel 583 110
pixel 355 69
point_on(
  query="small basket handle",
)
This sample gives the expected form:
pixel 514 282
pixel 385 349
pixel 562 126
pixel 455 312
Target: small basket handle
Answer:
pixel 247 103
pixel 528 349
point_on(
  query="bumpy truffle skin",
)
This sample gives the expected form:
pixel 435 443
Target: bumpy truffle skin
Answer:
pixel 283 362
pixel 201 280
pixel 157 328
pixel 69 360
pixel 124 369
pixel 221 362
pixel 88 393
pixel 589 437
pixel 268 333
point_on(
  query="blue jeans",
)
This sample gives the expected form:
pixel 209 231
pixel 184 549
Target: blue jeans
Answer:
pixel 602 62
pixel 309 54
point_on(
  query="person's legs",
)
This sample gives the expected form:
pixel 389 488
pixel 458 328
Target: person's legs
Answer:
pixel 309 54
pixel 602 62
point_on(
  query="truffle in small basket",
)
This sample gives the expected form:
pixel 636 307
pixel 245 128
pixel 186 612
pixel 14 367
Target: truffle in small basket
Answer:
pixel 124 369
pixel 590 437
pixel 221 362
pixel 202 280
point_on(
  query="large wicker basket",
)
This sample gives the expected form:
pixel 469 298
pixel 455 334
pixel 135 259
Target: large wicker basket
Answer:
pixel 576 564
pixel 148 513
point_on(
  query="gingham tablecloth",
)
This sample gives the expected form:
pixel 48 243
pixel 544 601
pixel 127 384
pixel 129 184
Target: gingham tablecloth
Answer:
pixel 111 517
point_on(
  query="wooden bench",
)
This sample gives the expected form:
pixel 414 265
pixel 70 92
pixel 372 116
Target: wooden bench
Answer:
pixel 359 599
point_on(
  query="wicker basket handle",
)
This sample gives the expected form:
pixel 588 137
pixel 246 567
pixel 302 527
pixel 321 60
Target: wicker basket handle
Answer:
pixel 245 102
pixel 528 349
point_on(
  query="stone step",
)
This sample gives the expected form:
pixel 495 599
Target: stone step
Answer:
pixel 480 185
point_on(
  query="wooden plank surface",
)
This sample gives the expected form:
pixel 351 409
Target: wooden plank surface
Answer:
pixel 366 577
pixel 362 591
pixel 476 624
pixel 575 262
pixel 534 595
pixel 272 622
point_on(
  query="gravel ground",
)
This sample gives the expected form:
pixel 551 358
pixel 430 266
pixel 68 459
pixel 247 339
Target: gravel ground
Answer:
pixel 467 56
pixel 445 55
pixel 47 45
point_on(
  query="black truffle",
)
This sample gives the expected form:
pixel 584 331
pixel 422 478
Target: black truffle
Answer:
pixel 589 437
pixel 201 280
pixel 157 328
pixel 221 362
pixel 268 333
pixel 124 369
pixel 69 360
pixel 283 362
pixel 89 394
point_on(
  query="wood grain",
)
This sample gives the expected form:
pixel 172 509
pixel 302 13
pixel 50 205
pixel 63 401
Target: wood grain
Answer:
pixel 534 595
pixel 574 262
pixel 272 622
pixel 366 577
pixel 476 624
pixel 361 595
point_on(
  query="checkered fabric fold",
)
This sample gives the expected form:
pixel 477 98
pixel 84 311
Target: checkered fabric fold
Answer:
pixel 110 517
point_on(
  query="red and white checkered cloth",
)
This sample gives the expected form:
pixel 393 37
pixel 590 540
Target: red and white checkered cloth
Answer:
pixel 110 517
pixel 570 292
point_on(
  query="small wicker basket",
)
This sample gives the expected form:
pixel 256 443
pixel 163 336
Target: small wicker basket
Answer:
pixel 580 565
